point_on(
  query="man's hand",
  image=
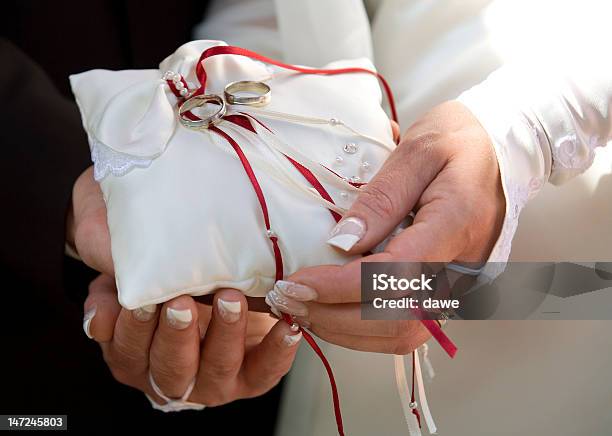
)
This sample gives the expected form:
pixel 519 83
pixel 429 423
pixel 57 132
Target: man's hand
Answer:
pixel 445 170
pixel 86 227
pixel 229 352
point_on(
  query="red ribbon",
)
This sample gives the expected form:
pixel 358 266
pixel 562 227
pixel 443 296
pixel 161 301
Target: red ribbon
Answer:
pixel 244 121
pixel 223 50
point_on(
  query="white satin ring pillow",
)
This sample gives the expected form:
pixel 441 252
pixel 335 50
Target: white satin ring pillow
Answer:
pixel 182 213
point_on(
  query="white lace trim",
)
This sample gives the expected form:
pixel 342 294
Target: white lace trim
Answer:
pixel 516 198
pixel 570 154
pixel 516 194
pixel 108 161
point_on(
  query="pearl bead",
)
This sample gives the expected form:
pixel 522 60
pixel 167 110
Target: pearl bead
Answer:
pixel 339 160
pixel 168 75
pixel 294 327
pixel 271 233
pixel 179 85
pixel 355 179
pixel 184 92
pixel 335 121
pixel 413 405
pixel 350 148
pixel 365 166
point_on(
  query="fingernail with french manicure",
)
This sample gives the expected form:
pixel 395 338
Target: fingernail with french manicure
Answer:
pixel 291 340
pixel 145 313
pixel 347 233
pixel 178 319
pixel 285 304
pixel 89 315
pixel 229 310
pixel 296 291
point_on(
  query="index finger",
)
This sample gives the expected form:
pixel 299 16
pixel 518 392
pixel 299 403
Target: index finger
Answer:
pixel 337 283
pixel 434 237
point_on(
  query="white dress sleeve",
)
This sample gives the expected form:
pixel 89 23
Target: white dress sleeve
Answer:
pixel 545 123
pixel 313 32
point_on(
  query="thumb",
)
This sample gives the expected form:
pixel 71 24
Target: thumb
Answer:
pixel 89 227
pixel 388 198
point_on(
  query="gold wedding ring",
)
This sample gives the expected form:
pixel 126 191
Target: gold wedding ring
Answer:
pixel 199 101
pixel 257 93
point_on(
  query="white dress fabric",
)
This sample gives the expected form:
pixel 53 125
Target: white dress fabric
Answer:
pixel 549 378
pixel 182 213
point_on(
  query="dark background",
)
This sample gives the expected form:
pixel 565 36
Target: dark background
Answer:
pixel 48 365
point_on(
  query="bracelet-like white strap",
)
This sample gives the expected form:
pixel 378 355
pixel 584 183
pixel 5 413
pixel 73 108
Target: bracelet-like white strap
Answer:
pixel 464 269
pixel 173 405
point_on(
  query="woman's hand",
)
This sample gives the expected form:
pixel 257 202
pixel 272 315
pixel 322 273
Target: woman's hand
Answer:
pixel 229 352
pixel 445 170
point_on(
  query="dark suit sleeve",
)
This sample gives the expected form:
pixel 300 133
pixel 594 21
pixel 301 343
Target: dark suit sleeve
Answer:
pixel 43 149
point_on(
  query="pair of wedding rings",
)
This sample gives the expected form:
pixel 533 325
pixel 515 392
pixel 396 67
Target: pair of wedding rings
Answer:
pixel 257 94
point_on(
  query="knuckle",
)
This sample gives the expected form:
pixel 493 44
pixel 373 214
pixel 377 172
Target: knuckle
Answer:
pixel 221 370
pixel 423 141
pixel 403 346
pixel 377 199
pixel 164 376
pixel 172 369
pixel 123 359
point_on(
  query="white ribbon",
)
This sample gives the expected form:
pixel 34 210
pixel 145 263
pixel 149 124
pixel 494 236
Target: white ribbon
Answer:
pixel 405 395
pixel 402 389
pixel 301 119
pixel 431 425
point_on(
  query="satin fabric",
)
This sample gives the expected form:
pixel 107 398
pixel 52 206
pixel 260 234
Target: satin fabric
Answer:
pixel 190 223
